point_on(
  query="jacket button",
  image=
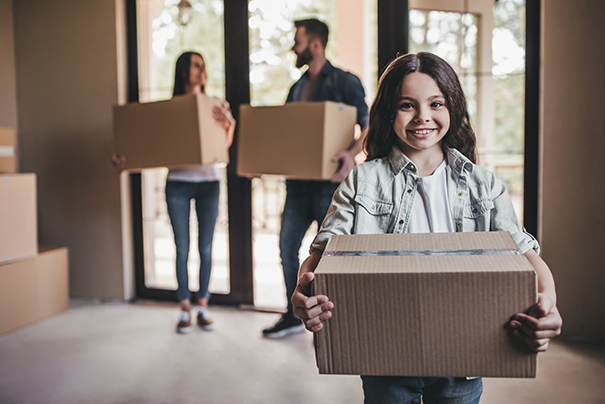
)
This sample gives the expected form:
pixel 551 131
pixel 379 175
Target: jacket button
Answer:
pixel 401 221
pixel 458 224
pixel 409 191
pixel 459 193
pixel 474 210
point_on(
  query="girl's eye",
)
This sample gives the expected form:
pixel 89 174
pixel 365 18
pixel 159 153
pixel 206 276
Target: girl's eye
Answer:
pixel 406 105
pixel 437 104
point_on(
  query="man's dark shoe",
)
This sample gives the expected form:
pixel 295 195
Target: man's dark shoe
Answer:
pixel 288 324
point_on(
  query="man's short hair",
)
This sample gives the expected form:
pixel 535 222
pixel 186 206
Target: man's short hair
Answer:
pixel 315 29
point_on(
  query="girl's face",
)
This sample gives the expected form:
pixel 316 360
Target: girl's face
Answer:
pixel 197 72
pixel 422 118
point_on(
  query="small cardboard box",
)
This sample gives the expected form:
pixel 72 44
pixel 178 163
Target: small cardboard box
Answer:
pixel 424 305
pixel 33 289
pixel 173 133
pixel 295 140
pixel 18 217
pixel 8 139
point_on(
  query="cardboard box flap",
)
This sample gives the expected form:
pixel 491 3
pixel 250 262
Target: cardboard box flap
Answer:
pixel 8 140
pixel 423 241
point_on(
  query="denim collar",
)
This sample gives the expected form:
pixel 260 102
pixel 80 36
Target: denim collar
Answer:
pixel 456 160
pixel 325 70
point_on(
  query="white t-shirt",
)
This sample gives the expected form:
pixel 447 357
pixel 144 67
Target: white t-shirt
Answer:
pixel 431 209
pixel 205 173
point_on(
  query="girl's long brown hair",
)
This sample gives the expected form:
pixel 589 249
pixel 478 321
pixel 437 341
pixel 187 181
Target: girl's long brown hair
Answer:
pixel 381 137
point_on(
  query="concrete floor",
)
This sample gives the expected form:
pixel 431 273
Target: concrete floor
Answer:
pixel 130 353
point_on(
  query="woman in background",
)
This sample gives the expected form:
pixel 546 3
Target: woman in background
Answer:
pixel 200 183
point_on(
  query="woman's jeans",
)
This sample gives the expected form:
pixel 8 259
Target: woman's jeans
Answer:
pixel 178 200
pixel 433 390
pixel 306 201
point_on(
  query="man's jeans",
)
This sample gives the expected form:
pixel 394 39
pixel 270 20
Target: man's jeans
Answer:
pixel 433 390
pixel 306 201
pixel 178 199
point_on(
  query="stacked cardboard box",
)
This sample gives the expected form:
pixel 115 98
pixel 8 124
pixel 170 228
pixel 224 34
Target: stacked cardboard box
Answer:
pixel 173 133
pixel 7 150
pixel 33 282
pixel 296 140
pixel 424 305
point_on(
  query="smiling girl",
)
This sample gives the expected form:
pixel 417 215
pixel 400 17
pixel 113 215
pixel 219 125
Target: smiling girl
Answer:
pixel 420 176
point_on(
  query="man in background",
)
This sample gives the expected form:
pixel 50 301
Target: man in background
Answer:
pixel 308 200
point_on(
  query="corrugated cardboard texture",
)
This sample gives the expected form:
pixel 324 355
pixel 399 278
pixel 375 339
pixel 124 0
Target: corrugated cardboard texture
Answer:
pixel 8 154
pixel 33 289
pixel 173 133
pixel 295 140
pixel 424 315
pixel 18 217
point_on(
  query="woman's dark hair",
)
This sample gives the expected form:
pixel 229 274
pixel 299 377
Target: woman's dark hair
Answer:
pixel 381 136
pixel 181 73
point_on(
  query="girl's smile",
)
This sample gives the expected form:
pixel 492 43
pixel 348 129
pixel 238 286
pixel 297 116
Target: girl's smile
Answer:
pixel 422 119
pixel 421 133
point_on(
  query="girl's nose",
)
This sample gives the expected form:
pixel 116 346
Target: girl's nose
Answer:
pixel 420 118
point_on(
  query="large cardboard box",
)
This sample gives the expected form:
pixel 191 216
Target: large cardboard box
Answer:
pixel 8 141
pixel 424 305
pixel 18 217
pixel 295 140
pixel 177 132
pixel 33 289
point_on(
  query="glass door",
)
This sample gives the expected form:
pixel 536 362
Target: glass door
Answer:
pixel 485 43
pixel 352 47
pixel 165 30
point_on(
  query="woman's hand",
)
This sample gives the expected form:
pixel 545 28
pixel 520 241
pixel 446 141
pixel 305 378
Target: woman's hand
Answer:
pixel 312 310
pixel 539 325
pixel 118 161
pixel 222 115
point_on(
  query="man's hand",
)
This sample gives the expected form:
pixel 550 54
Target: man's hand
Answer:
pixel 346 161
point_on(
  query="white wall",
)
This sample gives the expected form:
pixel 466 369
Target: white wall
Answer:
pixel 573 174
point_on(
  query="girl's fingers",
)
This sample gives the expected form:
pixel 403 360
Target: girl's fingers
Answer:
pixel 551 322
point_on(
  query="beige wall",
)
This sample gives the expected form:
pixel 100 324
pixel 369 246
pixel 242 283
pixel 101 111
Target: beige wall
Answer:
pixel 67 83
pixel 8 101
pixel 573 144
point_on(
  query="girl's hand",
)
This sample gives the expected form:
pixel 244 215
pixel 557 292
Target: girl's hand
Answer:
pixel 312 310
pixel 539 325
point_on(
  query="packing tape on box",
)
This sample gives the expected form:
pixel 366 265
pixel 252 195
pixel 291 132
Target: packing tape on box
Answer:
pixel 386 253
pixel 7 151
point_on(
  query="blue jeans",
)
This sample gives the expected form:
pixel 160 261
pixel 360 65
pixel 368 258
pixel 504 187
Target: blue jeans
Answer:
pixel 433 390
pixel 178 200
pixel 306 201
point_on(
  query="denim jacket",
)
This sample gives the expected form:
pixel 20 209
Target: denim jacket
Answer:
pixel 334 84
pixel 376 197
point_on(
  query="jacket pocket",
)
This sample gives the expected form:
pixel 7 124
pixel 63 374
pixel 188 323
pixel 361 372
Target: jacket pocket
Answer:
pixel 477 215
pixel 372 216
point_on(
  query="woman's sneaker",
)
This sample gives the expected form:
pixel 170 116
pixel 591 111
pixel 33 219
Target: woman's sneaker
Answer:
pixel 204 319
pixel 184 324
pixel 288 324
